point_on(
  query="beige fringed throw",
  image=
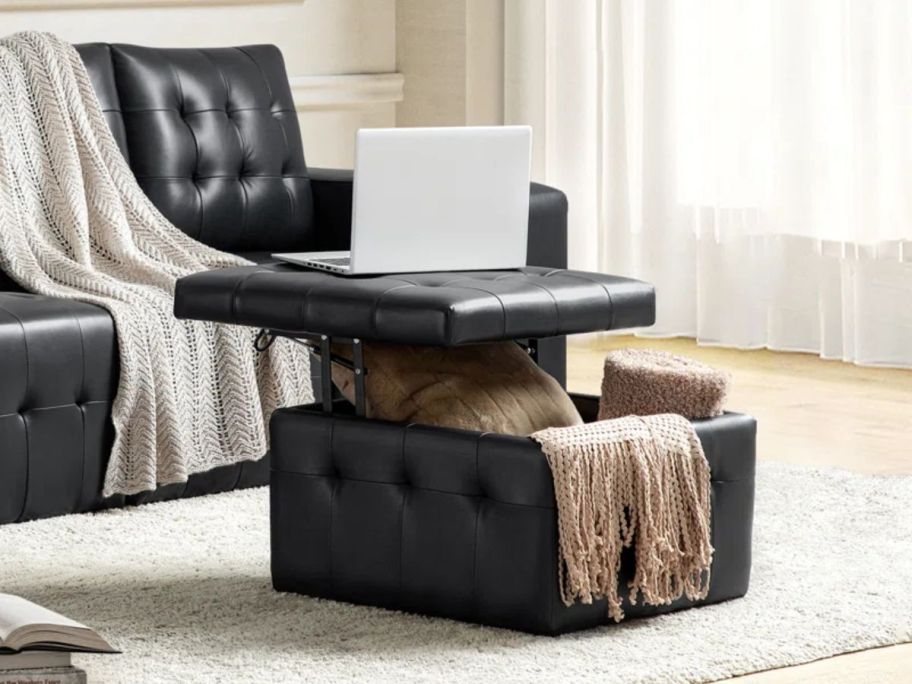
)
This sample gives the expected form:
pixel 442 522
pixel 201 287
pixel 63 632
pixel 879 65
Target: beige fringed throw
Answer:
pixel 75 224
pixel 640 481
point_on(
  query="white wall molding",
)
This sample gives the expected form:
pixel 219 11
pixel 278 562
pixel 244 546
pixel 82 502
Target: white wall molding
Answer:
pixel 346 91
pixel 31 5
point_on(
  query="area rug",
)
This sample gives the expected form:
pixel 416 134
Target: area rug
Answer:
pixel 183 589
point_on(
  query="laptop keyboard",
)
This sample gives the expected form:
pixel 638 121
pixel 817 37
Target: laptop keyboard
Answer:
pixel 341 261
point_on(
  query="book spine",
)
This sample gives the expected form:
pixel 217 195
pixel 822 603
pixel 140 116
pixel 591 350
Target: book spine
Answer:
pixel 67 676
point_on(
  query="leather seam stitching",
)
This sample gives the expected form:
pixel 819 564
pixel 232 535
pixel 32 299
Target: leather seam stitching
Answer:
pixel 55 406
pixel 402 506
pixel 526 280
pixel 25 428
pixel 199 111
pixel 199 193
pixel 604 287
pixel 420 489
pixel 234 294
pixel 237 480
pixel 272 100
pixel 278 122
pixel 81 411
pixel 375 312
pixel 226 176
pixel 262 73
pixel 332 501
pixel 475 610
pixel 555 548
pixel 240 137
pixel 503 308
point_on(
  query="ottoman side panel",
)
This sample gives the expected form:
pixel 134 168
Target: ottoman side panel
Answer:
pixel 302 488
pixel 732 524
pixel 439 521
pixel 516 566
pixel 338 496
pixel 730 444
pixel 516 561
pixel 366 542
pixel 300 539
pixel 438 553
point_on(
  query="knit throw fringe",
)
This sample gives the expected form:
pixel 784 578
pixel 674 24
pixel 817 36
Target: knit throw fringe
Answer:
pixel 633 481
pixel 75 224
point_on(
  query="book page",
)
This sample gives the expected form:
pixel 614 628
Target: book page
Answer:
pixel 18 613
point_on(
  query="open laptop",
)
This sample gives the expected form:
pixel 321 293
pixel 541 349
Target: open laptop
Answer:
pixel 435 199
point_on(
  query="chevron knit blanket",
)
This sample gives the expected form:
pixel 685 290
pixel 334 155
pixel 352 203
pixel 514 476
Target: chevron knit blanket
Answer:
pixel 75 224
pixel 640 481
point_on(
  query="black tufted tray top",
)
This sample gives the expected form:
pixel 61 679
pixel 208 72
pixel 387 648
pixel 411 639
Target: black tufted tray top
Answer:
pixel 440 309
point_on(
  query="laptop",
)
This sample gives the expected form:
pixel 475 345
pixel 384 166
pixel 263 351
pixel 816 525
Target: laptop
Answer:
pixel 435 199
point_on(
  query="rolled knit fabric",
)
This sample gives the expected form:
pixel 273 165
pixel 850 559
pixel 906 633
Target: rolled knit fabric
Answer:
pixel 645 382
pixel 634 481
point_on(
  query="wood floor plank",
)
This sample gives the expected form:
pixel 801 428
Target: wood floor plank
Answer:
pixel 809 411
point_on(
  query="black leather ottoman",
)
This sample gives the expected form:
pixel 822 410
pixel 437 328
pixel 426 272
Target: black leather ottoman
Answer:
pixel 444 522
pixel 460 524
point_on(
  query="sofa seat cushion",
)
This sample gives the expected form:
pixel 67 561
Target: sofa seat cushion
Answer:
pixel 59 365
pixel 437 309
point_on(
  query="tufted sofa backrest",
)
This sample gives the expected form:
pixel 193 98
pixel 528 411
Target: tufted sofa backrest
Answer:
pixel 213 139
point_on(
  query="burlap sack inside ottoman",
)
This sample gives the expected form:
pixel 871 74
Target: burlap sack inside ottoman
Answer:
pixel 645 382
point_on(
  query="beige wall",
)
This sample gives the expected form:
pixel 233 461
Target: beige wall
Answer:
pixel 451 55
pixel 352 63
pixel 340 54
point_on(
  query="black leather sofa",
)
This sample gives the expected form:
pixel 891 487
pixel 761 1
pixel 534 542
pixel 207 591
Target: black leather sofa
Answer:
pixel 213 138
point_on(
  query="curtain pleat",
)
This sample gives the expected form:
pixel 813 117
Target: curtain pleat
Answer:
pixel 752 158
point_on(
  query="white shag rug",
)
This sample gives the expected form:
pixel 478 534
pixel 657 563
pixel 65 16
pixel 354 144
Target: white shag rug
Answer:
pixel 183 588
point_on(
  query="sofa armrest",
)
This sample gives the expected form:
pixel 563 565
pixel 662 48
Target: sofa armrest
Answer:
pixel 547 227
pixel 548 247
pixel 332 193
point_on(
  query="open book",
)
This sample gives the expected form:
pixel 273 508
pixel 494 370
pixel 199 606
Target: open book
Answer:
pixel 27 626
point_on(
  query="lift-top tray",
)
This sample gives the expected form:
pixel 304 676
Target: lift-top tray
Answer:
pixel 440 309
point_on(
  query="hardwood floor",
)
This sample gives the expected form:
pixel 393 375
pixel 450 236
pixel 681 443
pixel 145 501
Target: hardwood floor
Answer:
pixel 823 413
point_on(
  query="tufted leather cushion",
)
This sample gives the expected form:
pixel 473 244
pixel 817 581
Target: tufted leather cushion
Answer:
pixel 58 364
pixel 460 524
pixel 58 379
pixel 444 309
pixel 212 136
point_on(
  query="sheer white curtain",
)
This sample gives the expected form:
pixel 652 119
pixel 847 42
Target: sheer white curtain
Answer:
pixel 752 158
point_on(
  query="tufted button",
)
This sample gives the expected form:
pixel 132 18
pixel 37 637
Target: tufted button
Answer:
pixel 227 94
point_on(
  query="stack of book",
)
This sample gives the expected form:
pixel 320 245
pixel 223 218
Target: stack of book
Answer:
pixel 36 644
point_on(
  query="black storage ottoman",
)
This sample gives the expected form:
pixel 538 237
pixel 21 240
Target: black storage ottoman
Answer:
pixel 461 524
pixel 443 522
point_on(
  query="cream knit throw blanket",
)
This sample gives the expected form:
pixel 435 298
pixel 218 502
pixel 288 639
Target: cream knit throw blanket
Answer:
pixel 641 481
pixel 75 224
